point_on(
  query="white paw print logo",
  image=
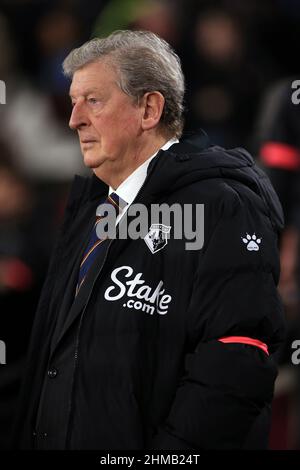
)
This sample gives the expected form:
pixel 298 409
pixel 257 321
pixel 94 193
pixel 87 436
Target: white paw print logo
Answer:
pixel 252 242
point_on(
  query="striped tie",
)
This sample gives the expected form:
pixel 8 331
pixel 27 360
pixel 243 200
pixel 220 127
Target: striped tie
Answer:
pixel 96 244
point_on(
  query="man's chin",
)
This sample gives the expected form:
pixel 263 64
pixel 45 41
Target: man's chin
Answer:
pixel 91 161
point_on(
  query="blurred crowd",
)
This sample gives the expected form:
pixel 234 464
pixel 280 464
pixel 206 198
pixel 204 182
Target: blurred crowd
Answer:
pixel 239 63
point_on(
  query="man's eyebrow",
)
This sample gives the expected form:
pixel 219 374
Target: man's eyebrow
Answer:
pixel 87 92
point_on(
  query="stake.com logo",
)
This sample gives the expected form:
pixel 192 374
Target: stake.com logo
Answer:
pixel 148 299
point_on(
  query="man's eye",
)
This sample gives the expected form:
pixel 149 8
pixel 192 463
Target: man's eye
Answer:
pixel 92 100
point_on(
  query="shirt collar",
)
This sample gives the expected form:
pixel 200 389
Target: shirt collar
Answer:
pixel 129 188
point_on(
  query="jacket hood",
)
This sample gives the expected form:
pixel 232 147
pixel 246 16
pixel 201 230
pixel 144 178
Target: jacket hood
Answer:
pixel 194 159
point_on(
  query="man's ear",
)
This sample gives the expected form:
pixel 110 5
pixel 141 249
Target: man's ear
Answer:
pixel 153 105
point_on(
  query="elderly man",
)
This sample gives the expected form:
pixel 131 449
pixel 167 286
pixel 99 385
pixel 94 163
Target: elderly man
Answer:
pixel 139 342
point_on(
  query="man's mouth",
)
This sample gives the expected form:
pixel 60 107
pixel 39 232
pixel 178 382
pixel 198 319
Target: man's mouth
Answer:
pixel 86 142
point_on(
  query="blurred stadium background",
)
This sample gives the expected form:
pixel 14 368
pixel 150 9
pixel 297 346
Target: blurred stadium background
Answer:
pixel 239 59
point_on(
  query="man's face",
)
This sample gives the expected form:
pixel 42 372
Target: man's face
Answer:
pixel 106 119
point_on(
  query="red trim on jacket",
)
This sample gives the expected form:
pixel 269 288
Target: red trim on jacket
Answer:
pixel 245 340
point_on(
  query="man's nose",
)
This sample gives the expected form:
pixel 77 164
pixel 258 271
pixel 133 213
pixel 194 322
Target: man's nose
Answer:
pixel 78 117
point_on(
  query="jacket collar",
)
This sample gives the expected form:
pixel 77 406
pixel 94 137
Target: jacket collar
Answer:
pixel 191 143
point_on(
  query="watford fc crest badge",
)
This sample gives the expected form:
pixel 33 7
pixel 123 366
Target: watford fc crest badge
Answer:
pixel 156 239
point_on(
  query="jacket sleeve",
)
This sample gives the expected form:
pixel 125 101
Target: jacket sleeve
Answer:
pixel 227 388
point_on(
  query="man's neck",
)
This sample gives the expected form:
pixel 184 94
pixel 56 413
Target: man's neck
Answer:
pixel 144 151
pixel 129 188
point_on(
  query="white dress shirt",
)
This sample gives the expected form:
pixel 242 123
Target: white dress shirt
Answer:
pixel 129 188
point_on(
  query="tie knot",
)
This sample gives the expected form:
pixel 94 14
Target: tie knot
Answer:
pixel 112 200
pixel 116 201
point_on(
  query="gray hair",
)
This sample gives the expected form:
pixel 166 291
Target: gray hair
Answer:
pixel 144 63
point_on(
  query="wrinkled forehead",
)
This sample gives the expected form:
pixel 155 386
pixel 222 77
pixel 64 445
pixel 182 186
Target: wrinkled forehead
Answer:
pixel 93 77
